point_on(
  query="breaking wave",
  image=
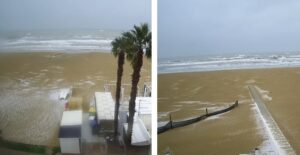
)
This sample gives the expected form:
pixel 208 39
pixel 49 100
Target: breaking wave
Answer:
pixel 57 41
pixel 229 63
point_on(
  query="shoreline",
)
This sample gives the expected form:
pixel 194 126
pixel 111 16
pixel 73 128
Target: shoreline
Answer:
pixel 56 51
pixel 235 69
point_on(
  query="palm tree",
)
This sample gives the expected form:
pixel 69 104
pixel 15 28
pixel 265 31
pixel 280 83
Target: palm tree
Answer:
pixel 118 50
pixel 139 40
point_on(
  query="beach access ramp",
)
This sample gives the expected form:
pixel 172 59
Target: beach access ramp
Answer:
pixel 140 135
pixel 278 140
pixel 141 130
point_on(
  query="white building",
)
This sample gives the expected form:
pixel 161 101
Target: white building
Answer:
pixel 70 132
pixel 105 108
pixel 141 132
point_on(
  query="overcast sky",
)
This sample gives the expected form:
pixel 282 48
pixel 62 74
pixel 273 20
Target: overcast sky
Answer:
pixel 64 14
pixel 196 27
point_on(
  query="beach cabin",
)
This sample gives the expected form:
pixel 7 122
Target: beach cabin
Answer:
pixel 141 132
pixel 105 109
pixel 70 132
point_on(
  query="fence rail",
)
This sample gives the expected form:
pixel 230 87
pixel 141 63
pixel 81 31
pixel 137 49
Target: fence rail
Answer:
pixel 175 124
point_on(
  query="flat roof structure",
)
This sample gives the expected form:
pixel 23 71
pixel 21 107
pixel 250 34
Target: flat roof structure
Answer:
pixel 105 106
pixel 70 125
pixel 71 118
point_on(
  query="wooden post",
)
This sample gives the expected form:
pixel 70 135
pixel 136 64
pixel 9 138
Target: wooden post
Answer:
pixel 170 117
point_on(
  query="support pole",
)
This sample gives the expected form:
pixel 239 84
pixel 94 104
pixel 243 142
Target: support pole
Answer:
pixel 170 117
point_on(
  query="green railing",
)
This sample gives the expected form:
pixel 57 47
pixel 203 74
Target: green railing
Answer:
pixel 40 149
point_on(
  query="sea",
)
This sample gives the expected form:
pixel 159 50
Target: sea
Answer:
pixel 83 40
pixel 215 62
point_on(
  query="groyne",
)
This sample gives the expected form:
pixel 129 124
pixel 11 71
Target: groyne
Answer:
pixel 278 140
pixel 171 124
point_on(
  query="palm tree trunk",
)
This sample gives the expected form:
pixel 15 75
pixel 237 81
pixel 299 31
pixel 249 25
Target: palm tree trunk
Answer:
pixel 121 57
pixel 134 84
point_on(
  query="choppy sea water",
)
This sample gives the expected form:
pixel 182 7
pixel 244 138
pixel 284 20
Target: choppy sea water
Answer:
pixel 57 40
pixel 212 63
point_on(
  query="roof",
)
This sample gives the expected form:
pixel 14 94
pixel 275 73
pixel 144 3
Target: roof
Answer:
pixel 70 131
pixel 143 105
pixel 71 118
pixel 105 106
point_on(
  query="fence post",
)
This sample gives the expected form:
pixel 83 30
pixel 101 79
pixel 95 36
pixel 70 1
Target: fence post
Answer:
pixel 236 102
pixel 170 117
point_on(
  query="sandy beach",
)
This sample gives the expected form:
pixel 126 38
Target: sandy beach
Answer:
pixel 185 95
pixel 29 83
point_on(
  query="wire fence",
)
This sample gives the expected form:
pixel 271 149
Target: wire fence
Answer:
pixel 175 124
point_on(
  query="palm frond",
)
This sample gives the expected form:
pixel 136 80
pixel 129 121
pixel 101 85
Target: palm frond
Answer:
pixel 133 41
pixel 116 46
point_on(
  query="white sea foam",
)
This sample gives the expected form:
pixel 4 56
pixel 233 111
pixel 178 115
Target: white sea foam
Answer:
pixel 229 63
pixel 88 44
pixel 195 102
pixel 164 114
pixel 264 94
pixel 90 82
pixel 219 116
pixel 57 40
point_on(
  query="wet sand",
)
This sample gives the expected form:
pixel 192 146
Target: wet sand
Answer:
pixel 30 82
pixel 188 94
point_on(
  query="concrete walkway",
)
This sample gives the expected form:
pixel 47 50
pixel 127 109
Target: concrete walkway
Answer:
pixel 92 144
pixel 280 142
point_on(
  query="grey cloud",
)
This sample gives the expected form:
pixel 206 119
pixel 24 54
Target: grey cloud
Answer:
pixel 215 26
pixel 53 14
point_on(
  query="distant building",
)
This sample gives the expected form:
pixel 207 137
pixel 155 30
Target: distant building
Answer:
pixel 70 132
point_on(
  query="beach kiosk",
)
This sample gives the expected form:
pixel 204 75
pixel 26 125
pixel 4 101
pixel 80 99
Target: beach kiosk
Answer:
pixel 70 132
pixel 141 130
pixel 105 108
